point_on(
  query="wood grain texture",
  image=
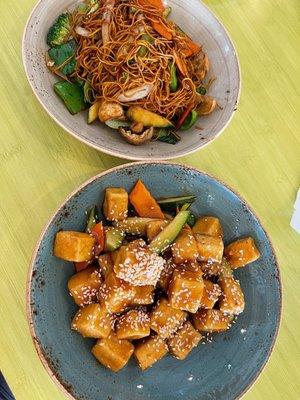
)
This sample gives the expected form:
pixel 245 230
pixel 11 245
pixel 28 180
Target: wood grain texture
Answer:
pixel 259 155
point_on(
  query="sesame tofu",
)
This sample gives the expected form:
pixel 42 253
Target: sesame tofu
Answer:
pixel 92 321
pixel 84 286
pixel 185 248
pixel 185 289
pixel 106 264
pixel 115 206
pixel 138 265
pixel 241 252
pixel 184 340
pixel 209 226
pixel 211 321
pixel 165 320
pixel 74 246
pixel 211 294
pixel 232 299
pixel 116 294
pixel 149 351
pixel 154 228
pixel 135 324
pixel 143 295
pixel 210 248
pixel 166 274
pixel 112 352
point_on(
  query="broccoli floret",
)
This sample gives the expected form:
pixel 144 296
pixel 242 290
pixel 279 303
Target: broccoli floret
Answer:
pixel 60 31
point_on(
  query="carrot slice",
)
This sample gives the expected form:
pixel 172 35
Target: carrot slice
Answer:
pixel 161 29
pixel 98 233
pixel 144 203
pixel 193 48
pixel 155 3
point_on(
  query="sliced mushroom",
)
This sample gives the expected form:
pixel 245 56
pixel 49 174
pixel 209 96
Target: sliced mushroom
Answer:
pixel 136 93
pixel 135 139
pixel 207 106
pixel 109 111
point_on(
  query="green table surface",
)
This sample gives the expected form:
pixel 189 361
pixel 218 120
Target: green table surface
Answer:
pixel 258 154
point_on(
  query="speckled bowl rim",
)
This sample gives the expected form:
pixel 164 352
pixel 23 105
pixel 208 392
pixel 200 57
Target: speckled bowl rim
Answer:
pixel 128 156
pixel 41 355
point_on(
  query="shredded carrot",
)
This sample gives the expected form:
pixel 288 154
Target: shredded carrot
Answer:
pixel 155 3
pixel 162 30
pixel 183 116
pixel 144 203
pixel 192 49
pixel 98 233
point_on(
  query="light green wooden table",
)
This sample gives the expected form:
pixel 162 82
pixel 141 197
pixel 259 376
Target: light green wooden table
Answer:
pixel 259 155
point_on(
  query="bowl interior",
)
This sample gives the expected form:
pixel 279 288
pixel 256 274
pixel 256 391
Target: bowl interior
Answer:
pixel 197 21
pixel 223 369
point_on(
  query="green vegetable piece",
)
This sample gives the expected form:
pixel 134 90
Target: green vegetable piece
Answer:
pixel 88 92
pixel 82 8
pixel 167 236
pixel 92 219
pixel 167 12
pixel 171 203
pixel 116 124
pixel 64 57
pixel 190 120
pixel 72 95
pixel 143 50
pixel 60 31
pixel 201 90
pixel 174 80
pixel 113 239
pixel 167 136
pixel 191 221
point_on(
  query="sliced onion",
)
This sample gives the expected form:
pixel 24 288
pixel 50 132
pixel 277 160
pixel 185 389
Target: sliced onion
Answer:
pixel 82 31
pixel 135 94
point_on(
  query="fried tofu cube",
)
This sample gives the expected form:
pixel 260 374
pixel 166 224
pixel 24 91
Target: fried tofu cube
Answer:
pixel 150 351
pixel 185 247
pixel 135 324
pixel 209 247
pixel 232 300
pixel 106 264
pixel 143 295
pixel 209 226
pixel 211 321
pixel 116 294
pixel 92 321
pixel 166 274
pixel 211 294
pixel 114 255
pixel 84 286
pixel 74 246
pixel 138 265
pixel 112 352
pixel 115 206
pixel 241 252
pixel 184 340
pixel 165 320
pixel 154 228
pixel 185 290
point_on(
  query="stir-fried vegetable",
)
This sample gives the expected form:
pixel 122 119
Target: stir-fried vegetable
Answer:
pixel 63 56
pixel 143 50
pixel 171 203
pixel 60 31
pixel 147 118
pixel 190 120
pixel 167 12
pixel 72 95
pixel 201 90
pixel 88 92
pixel 174 80
pixel 92 219
pixel 167 136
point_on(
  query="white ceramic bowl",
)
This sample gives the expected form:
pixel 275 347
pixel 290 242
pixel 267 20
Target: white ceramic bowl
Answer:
pixel 197 21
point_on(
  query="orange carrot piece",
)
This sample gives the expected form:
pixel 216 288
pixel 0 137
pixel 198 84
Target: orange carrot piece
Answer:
pixel 144 203
pixel 80 266
pixel 193 48
pixel 98 233
pixel 154 3
pixel 162 30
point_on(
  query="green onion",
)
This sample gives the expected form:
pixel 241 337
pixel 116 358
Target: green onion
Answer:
pixel 190 120
pixel 174 80
pixel 201 90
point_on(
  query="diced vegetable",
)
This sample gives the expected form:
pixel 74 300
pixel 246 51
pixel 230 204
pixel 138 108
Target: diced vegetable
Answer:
pixel 72 95
pixel 210 247
pixel 174 80
pixel 92 321
pixel 60 31
pixel 112 352
pixel 241 252
pixel 167 136
pixel 135 324
pixel 147 118
pixel 98 232
pixel 150 351
pixel 115 205
pixel 165 320
pixel 74 246
pixel 92 219
pixel 63 57
pixel 116 124
pixel 143 50
pixel 172 203
pixel 190 120
pixel 135 225
pixel 169 233
pixel 113 239
pixel 144 203
pixel 210 226
pixel 211 321
pixel 184 340
pixel 84 286
pixel 185 290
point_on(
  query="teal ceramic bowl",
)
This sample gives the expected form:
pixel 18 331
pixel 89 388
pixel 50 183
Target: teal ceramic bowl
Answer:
pixel 223 369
